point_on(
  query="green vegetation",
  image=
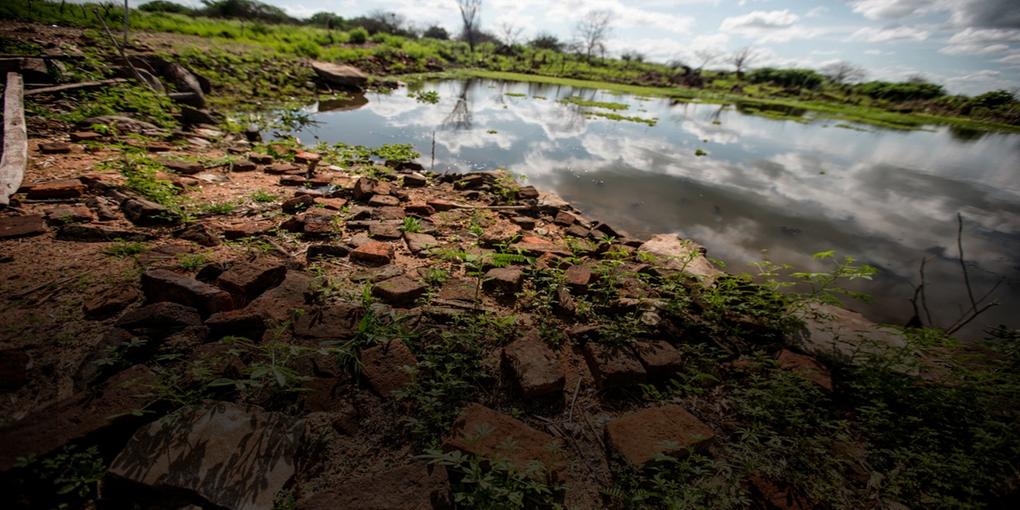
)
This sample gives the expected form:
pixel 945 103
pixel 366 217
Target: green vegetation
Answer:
pixel 593 104
pixel 494 485
pixel 426 96
pixel 616 116
pixel 263 197
pixel 411 224
pixel 125 249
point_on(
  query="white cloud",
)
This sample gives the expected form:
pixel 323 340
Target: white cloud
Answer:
pixel 816 12
pixel 963 13
pixel 978 41
pixel 759 20
pixel 885 9
pixel 879 35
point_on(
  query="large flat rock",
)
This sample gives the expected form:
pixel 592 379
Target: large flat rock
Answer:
pixel 672 252
pixel 487 433
pixel 232 456
pixel 339 74
pixel 640 436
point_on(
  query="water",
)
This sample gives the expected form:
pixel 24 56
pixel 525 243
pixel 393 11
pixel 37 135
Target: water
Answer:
pixel 767 188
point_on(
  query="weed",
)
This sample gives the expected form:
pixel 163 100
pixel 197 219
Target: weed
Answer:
pixel 426 96
pixel 66 478
pixel 261 196
pixel 192 261
pixel 411 224
pixel 700 153
pixel 219 208
pixel 124 249
pixel 495 484
pixel 579 101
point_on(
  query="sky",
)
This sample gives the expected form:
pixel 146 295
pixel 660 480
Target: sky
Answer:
pixel 968 46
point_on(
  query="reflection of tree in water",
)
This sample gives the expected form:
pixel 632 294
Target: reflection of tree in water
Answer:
pixel 459 118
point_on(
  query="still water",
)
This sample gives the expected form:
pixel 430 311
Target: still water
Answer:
pixel 776 189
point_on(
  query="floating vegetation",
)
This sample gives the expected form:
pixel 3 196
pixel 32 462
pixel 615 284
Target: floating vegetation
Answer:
pixel 426 96
pixel 851 127
pixel 492 131
pixel 515 94
pixel 593 104
pixel 616 116
pixel 700 152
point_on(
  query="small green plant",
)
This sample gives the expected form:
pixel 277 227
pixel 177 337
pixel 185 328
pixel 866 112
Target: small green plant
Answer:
pixel 435 276
pixel 497 484
pixel 398 152
pixel 65 478
pixel 411 224
pixel 219 208
pixel 124 249
pixel 192 261
pixel 426 96
pixel 576 100
pixel 700 152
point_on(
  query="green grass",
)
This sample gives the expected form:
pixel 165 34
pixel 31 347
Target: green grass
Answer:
pixel 579 101
pixel 625 118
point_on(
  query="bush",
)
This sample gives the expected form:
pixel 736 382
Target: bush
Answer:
pixel 357 36
pixel 164 6
pixel 906 91
pixel 436 32
pixel 800 78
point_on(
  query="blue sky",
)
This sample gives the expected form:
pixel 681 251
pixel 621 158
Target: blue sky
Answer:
pixel 969 46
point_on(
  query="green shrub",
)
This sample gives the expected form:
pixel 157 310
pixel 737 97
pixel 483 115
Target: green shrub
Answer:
pixel 357 36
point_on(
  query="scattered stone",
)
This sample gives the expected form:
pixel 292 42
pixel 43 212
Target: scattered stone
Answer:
pixel 192 116
pixel 677 254
pixel 247 280
pixel 158 147
pixel 93 233
pixel 524 222
pixel 613 366
pixel 231 456
pixel 383 201
pixel 341 75
pixel 248 229
pixel 538 246
pixel 333 204
pixel 319 222
pixel 484 432
pixel 640 436
pixel 564 218
pixel 578 276
pixel 459 289
pixel 504 280
pixel 386 367
pixel 385 230
pixel 280 302
pixel 110 302
pixel 419 209
pixel 527 193
pixel 54 190
pixel 14 366
pixel 782 497
pixel 472 181
pixel 243 165
pixel 200 233
pixel 144 212
pixel 414 180
pixel 332 322
pixel 55 148
pixel 441 205
pixel 298 204
pixel 164 285
pixel 293 180
pixel 183 167
pixel 321 251
pixel 806 367
pixel 417 242
pixel 282 168
pixel 21 226
pixel 104 207
pixel 389 213
pixel 536 368
pixel 306 157
pixel 375 274
pixel 245 323
pixel 70 214
pixel 373 253
pixel 365 188
pixel 500 233
pixel 85 136
pixel 419 486
pixel 81 416
pixel 660 358
pixel 399 291
pixel 577 230
pixel 165 317
pixel 261 159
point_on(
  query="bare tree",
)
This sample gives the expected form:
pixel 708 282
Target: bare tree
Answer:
pixel 470 12
pixel 844 72
pixel 509 33
pixel 741 59
pixel 705 57
pixel 592 31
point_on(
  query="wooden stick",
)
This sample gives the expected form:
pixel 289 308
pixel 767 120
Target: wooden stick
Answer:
pixel 123 54
pixel 74 86
pixel 12 165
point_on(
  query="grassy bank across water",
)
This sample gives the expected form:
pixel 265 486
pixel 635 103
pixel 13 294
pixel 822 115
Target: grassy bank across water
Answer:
pixel 814 109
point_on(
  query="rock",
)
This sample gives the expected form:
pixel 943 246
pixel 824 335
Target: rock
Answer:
pixel 110 302
pixel 441 205
pixel 333 204
pixel 577 230
pixel 504 280
pixel 281 302
pixel 21 226
pixel 306 157
pixel 537 246
pixel 164 285
pixel 373 253
pixel 247 280
pixel 383 201
pixel 500 233
pixel 613 366
pixel 14 366
pixel 182 167
pixel 806 367
pixel 414 180
pixel 337 321
pixel 484 432
pixel 92 233
pixel 341 75
pixel 234 457
pixel 53 190
pixel 418 486
pixel 458 289
pixel 366 188
pixel 399 291
pixel 158 147
pixel 375 274
pixel 389 213
pixel 536 368
pixel 527 193
pixel 191 116
pixel 164 317
pixel 85 136
pixel 144 212
pixel 200 233
pixel 564 218
pixel 55 148
pixel 419 209
pixel 78 418
pixel 782 497
pixel 385 230
pixel 184 81
pixel 282 168
pixel 640 436
pixel 386 367
pixel 121 123
pixel 248 229
pixel 418 243
pixel 298 204
pixel 321 251
pixel 70 214
pixel 524 222
pixel 578 276
pixel 243 165
pixel 320 222
pixel 262 159
pixel 660 359
pixel 678 254
pixel 245 323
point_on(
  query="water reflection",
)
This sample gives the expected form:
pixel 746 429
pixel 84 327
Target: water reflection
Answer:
pixel 771 188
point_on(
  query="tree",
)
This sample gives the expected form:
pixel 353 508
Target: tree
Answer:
pixel 436 32
pixel 705 57
pixel 844 72
pixel 470 13
pixel 632 56
pixel 509 34
pixel 741 59
pixel 326 20
pixel 546 41
pixel 592 31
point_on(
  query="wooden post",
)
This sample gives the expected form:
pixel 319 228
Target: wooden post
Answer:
pixel 12 165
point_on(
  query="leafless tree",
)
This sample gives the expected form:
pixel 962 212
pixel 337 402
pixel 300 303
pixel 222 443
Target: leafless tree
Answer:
pixel 705 57
pixel 592 31
pixel 844 72
pixel 470 12
pixel 509 33
pixel 741 59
